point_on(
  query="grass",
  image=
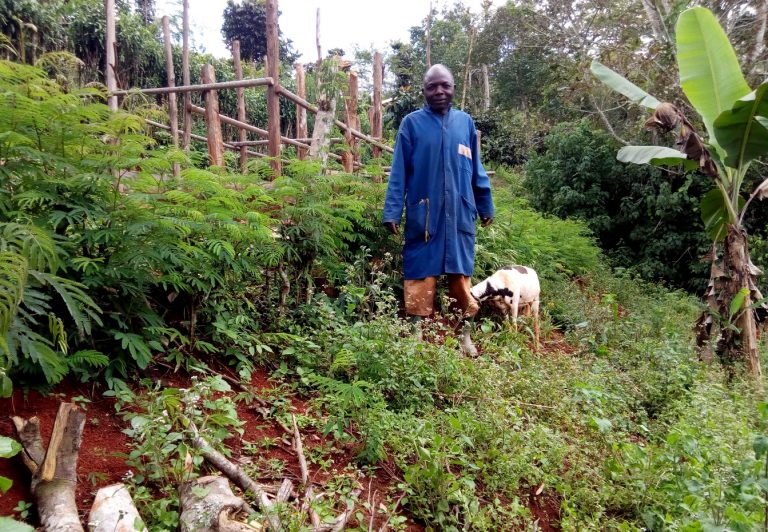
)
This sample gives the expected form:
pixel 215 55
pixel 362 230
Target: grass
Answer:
pixel 623 430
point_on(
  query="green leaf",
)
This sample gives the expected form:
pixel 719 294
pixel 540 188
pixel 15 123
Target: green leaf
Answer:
pixel 81 307
pixel 136 346
pixel 710 75
pixel 601 424
pixel 53 364
pixel 622 85
pixel 737 302
pixel 13 279
pixel 11 525
pixel 200 492
pixel 760 445
pixel 6 386
pixel 714 214
pixel 739 131
pixel 655 155
pixel 91 357
pixel 5 485
pixel 8 447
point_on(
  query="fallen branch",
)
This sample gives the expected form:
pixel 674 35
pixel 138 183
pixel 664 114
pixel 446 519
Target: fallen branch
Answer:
pixel 285 491
pixel 54 470
pixel 383 527
pixel 238 476
pixel 341 520
pixel 308 494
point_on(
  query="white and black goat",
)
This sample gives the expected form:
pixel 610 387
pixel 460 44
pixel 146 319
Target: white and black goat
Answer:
pixel 510 288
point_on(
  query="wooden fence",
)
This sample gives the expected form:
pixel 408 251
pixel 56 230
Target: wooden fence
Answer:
pixel 272 137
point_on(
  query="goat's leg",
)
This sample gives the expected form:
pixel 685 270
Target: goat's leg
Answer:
pixel 467 346
pixel 535 310
pixel 515 307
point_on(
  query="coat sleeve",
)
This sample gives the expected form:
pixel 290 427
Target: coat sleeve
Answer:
pixel 481 183
pixel 401 168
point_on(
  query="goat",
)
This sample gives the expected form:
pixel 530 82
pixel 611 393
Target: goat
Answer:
pixel 510 288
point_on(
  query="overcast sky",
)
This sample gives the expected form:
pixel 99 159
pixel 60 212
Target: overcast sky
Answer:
pixel 343 23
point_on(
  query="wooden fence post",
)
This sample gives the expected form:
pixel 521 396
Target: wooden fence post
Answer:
pixel 378 78
pixel 301 113
pixel 351 156
pixel 185 75
pixel 212 121
pixel 109 43
pixel 173 112
pixel 242 135
pixel 326 113
pixel 273 98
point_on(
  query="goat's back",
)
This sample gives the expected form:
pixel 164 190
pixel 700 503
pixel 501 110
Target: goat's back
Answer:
pixel 508 281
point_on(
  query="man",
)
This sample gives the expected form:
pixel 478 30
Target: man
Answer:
pixel 437 174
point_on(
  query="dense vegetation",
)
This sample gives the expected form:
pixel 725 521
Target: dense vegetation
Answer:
pixel 109 265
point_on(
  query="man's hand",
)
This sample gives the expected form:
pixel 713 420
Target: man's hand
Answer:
pixel 392 227
pixel 485 222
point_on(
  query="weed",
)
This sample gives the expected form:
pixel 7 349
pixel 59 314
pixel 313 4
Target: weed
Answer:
pixel 161 421
pixel 23 508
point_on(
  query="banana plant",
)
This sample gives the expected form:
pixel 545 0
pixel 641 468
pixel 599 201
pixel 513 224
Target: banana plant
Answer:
pixel 735 118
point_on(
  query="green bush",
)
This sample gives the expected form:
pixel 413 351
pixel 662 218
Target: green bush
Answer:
pixel 645 219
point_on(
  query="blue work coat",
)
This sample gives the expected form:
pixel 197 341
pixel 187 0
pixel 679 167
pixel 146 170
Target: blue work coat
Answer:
pixel 437 174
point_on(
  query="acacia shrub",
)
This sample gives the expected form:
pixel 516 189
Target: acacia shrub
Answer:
pixel 645 219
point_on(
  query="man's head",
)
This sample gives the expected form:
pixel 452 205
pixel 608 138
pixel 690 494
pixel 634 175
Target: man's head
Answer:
pixel 438 88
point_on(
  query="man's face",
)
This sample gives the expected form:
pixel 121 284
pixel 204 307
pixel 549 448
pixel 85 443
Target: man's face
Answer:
pixel 438 91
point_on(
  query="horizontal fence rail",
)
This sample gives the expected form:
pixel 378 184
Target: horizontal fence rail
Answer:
pixel 256 82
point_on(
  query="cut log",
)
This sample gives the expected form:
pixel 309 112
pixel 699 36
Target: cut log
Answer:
pixel 208 505
pixel 54 471
pixel 113 511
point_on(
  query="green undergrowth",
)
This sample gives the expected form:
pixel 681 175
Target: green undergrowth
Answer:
pixel 615 420
pixel 109 265
pixel 625 429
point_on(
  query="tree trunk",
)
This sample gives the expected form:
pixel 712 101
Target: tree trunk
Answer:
pixel 654 18
pixel 54 470
pixel 324 119
pixel 761 21
pixel 739 275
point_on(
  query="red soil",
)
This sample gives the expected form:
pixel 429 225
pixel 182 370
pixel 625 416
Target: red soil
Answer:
pixel 101 459
pixel 100 462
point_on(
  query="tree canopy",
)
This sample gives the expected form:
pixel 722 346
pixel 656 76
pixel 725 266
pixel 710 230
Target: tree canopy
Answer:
pixel 246 21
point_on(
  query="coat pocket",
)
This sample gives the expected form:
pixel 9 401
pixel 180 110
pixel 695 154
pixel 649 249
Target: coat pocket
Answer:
pixel 467 216
pixel 417 221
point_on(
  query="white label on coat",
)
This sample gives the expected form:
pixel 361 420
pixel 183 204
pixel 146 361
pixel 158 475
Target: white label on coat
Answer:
pixel 465 151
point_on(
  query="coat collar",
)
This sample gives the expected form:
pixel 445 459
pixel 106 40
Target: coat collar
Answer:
pixel 427 108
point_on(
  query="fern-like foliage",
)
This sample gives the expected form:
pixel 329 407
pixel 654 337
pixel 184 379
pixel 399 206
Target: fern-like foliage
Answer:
pixel 13 279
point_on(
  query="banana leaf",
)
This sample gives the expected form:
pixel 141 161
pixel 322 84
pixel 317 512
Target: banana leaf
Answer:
pixel 710 75
pixel 655 155
pixel 620 84
pixel 742 131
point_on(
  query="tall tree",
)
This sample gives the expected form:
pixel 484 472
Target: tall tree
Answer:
pixel 246 21
pixel 146 8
